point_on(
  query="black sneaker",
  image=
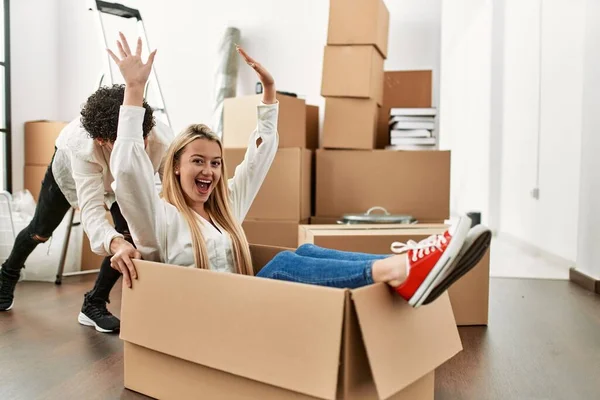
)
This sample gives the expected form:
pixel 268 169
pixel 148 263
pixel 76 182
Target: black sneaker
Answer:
pixel 7 291
pixel 94 313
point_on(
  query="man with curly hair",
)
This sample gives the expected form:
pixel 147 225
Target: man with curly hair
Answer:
pixel 79 176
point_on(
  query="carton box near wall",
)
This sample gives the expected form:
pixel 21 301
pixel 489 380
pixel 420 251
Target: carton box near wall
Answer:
pixel 270 339
pixel 407 89
pixel 359 22
pixel 39 141
pixel 352 124
pixel 240 118
pixel 469 296
pixel 272 233
pixel 403 182
pixel 34 175
pixel 352 71
pixel 286 191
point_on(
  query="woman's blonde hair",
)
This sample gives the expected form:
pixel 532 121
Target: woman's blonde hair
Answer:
pixel 217 205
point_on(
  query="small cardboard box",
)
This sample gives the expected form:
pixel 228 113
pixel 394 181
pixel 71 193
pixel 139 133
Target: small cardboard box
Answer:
pixel 40 137
pixel 34 175
pixel 239 121
pixel 272 233
pixel 351 124
pixel 359 22
pixel 407 89
pixel 416 183
pixel 286 191
pixel 312 127
pixel 469 296
pixel 352 71
pixel 242 337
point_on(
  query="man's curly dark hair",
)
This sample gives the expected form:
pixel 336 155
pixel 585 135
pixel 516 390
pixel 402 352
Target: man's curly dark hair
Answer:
pixel 100 113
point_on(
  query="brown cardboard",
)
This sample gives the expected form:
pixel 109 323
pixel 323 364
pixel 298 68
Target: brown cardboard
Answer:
pixel 239 121
pixel 359 22
pixel 272 233
pixel 286 191
pixel 469 296
pixel 403 182
pixel 39 141
pixel 350 123
pixel 89 259
pixel 34 175
pixel 383 127
pixel 352 71
pixel 270 339
pixel 407 89
pixel 312 127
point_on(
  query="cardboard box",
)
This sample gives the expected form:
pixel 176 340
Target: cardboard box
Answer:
pixel 270 339
pixel 350 123
pixel 39 141
pixel 89 259
pixel 286 191
pixel 34 175
pixel 312 127
pixel 239 121
pixel 353 71
pixel 272 233
pixel 469 296
pixel 416 183
pixel 359 22
pixel 383 127
pixel 407 89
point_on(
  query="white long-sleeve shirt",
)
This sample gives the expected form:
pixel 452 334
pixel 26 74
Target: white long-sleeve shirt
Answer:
pixel 81 170
pixel 159 231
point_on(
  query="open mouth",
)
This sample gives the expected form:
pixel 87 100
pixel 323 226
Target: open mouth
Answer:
pixel 203 185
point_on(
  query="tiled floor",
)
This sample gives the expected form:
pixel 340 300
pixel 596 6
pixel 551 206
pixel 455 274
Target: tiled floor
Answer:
pixel 509 260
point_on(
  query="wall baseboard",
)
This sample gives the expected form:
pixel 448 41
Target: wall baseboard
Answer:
pixel 534 250
pixel 584 280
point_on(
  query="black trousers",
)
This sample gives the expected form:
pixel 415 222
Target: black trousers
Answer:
pixel 50 211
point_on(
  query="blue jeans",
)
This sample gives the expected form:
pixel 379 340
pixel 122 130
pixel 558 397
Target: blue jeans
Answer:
pixel 319 266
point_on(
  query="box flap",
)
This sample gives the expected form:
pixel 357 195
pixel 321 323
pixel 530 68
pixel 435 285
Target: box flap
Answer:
pixel 262 254
pixel 403 343
pixel 280 333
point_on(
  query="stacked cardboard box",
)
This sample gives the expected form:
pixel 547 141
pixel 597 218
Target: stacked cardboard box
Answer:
pixel 352 82
pixel 39 149
pixel 285 198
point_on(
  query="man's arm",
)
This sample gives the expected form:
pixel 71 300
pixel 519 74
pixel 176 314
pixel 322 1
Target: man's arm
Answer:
pixel 90 194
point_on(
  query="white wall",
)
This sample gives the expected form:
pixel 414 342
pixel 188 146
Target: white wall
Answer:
pixel 588 252
pixel 559 76
pixel 465 100
pixel 34 72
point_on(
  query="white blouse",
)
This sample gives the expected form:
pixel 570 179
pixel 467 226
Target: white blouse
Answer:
pixel 159 231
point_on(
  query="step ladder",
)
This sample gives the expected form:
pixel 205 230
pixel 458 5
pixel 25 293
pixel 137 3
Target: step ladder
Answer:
pixel 100 8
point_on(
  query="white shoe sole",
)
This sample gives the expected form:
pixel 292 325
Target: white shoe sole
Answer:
pixel 10 307
pixel 446 262
pixel 84 320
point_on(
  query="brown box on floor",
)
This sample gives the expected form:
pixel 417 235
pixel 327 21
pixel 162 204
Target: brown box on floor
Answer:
pixel 240 118
pixel 272 233
pixel 352 124
pixel 285 194
pixel 407 89
pixel 39 141
pixel 469 296
pixel 352 71
pixel 359 22
pixel 416 183
pixel 270 339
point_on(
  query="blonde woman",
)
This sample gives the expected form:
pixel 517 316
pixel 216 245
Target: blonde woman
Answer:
pixel 196 221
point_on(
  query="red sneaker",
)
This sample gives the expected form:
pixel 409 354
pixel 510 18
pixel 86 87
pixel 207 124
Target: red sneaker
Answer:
pixel 428 259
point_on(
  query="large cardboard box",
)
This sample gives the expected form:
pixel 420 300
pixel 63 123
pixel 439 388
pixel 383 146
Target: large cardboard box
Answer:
pixel 351 124
pixel 270 339
pixel 359 22
pixel 34 175
pixel 272 233
pixel 469 296
pixel 39 141
pixel 407 89
pixel 240 118
pixel 403 182
pixel 353 71
pixel 286 191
